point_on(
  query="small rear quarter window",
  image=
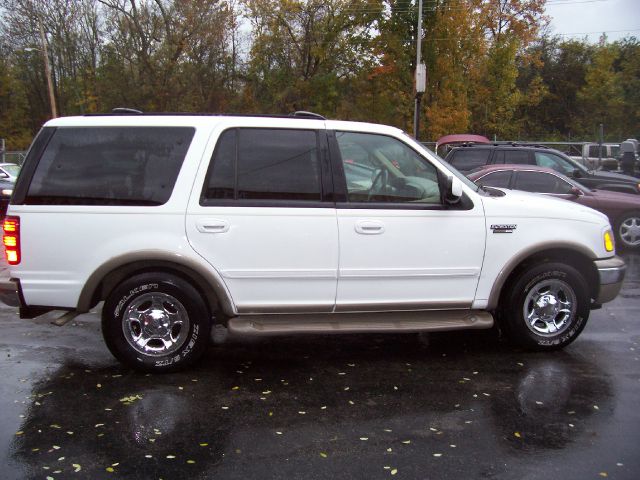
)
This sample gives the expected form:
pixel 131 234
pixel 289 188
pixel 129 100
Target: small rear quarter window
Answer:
pixel 109 166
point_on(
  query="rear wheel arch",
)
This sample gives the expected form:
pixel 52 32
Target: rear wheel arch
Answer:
pixel 107 277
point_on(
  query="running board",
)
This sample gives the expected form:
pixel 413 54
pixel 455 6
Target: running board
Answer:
pixel 427 321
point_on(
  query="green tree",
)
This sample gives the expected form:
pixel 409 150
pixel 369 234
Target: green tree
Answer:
pixel 304 53
pixel 601 98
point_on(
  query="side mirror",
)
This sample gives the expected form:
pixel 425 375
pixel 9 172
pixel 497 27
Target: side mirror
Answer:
pixel 575 191
pixel 453 192
pixel 577 173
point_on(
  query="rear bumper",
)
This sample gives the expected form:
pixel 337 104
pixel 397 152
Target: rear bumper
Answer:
pixel 10 291
pixel 611 273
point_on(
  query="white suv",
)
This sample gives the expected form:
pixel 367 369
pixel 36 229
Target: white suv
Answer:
pixel 284 225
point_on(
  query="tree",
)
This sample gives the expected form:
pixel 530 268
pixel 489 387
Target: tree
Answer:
pixel 601 98
pixel 303 52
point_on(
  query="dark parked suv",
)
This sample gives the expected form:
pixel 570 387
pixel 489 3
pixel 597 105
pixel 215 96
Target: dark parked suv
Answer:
pixel 469 159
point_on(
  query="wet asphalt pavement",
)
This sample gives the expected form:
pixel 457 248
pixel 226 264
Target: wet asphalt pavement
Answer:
pixel 439 406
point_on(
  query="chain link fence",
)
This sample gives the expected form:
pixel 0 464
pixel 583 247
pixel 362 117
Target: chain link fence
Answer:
pixel 13 157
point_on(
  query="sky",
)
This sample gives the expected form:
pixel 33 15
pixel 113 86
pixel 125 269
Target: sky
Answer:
pixel 589 18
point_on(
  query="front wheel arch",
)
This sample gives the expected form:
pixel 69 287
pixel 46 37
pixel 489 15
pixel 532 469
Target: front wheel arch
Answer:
pixel 577 258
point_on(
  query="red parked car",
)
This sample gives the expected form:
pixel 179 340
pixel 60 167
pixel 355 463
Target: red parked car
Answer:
pixel 623 209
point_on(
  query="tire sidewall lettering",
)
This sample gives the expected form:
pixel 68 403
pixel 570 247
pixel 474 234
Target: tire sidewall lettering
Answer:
pixel 133 292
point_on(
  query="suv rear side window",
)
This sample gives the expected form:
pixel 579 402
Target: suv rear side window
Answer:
pixel 513 157
pixel 109 166
pixel 467 160
pixel 265 164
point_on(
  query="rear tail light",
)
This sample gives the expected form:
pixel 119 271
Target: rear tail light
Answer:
pixel 11 239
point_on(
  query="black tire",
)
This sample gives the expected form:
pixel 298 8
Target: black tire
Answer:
pixel 626 231
pixel 556 297
pixel 161 311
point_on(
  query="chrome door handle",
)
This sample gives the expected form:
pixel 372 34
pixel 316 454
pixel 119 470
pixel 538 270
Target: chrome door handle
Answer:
pixel 211 225
pixel 369 227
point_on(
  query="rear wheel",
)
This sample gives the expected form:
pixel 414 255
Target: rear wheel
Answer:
pixel 628 231
pixel 155 322
pixel 546 307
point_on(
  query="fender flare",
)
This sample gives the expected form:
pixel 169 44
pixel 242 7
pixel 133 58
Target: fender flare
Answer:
pixel 207 280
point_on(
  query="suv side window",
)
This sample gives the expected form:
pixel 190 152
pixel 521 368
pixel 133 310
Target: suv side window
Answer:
pixel 387 171
pixel 467 160
pixel 540 182
pixel 516 157
pixel 550 160
pixel 109 166
pixel 264 164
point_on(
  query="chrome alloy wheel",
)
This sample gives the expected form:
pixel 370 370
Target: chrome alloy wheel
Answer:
pixel 155 324
pixel 550 307
pixel 630 231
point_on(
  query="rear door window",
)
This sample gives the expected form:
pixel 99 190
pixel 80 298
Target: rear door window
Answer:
pixel 264 164
pixel 540 182
pixel 467 160
pixel 109 166
pixel 515 157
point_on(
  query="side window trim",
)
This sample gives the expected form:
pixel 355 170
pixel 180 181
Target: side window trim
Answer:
pixel 326 180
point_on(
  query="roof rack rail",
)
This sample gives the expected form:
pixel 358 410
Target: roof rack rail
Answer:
pixel 305 114
pixel 126 111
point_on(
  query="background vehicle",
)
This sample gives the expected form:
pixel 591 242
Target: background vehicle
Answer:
pixel 472 158
pixel 593 158
pixel 6 189
pixel 447 142
pixel 622 209
pixel 9 171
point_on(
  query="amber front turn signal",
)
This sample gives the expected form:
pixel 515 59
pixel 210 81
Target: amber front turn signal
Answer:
pixel 608 241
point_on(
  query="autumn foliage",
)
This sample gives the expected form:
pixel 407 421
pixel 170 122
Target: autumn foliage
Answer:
pixel 492 70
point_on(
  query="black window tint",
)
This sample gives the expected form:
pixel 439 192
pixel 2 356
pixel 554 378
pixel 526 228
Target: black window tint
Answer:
pixel 110 166
pixel 466 160
pixel 540 182
pixel 221 177
pixel 516 157
pixel 278 165
pixel 496 179
pixel 265 164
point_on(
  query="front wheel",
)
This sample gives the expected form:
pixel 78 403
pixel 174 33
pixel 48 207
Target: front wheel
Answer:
pixel 546 307
pixel 155 322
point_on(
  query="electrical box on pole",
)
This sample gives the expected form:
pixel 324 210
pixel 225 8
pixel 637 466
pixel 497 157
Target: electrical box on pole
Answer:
pixel 421 78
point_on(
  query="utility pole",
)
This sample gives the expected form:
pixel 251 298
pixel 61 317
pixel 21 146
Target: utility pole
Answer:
pixel 420 76
pixel 600 142
pixel 47 71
